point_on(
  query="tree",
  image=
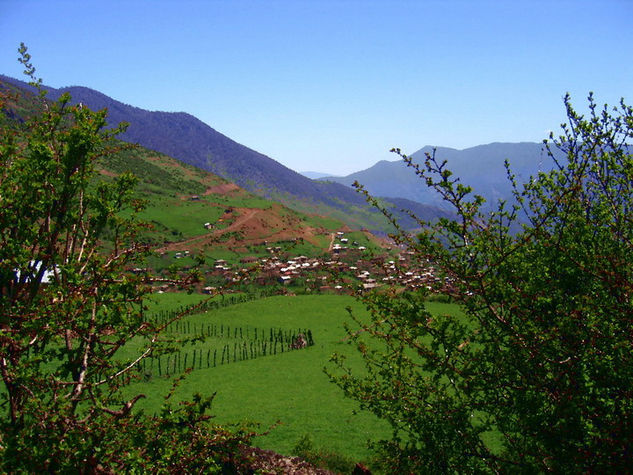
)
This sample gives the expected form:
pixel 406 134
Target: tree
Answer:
pixel 69 305
pixel 535 372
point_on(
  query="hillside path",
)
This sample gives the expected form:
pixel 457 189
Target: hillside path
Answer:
pixel 329 248
pixel 241 219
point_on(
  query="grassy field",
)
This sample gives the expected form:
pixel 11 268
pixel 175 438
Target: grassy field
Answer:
pixel 288 387
pixel 355 216
pixel 242 199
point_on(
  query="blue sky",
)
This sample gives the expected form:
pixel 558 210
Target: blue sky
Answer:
pixel 333 85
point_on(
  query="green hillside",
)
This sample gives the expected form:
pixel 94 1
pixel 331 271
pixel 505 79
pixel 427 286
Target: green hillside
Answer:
pixel 198 219
pixel 180 199
pixel 187 139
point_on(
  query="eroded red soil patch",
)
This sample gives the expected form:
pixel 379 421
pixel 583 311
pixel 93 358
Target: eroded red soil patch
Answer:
pixel 221 189
pixel 251 226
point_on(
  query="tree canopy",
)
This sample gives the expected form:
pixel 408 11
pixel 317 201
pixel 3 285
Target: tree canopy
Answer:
pixel 69 304
pixel 535 373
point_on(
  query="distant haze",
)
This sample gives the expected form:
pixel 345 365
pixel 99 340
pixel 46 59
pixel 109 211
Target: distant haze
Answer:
pixel 315 175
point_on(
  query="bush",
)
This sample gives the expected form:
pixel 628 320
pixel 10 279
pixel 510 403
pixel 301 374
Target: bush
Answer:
pixel 537 376
pixel 68 306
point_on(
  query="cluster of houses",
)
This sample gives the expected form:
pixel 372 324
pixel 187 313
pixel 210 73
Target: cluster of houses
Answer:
pixel 180 255
pixel 344 271
pixel 343 244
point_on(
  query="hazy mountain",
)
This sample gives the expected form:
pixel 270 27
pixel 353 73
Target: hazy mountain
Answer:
pixel 314 175
pixel 481 167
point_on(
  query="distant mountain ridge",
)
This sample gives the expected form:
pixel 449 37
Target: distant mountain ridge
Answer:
pixel 314 175
pixel 481 167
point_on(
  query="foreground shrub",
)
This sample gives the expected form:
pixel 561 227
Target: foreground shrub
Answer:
pixel 69 304
pixel 537 375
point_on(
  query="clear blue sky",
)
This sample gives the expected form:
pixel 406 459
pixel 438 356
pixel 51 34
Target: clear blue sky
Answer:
pixel 333 85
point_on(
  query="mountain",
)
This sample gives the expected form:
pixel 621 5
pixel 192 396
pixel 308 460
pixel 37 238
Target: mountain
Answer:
pixel 190 211
pixel 481 167
pixel 184 137
pixel 181 198
pixel 314 175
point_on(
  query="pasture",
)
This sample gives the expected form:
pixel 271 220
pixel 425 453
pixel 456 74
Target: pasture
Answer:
pixel 288 387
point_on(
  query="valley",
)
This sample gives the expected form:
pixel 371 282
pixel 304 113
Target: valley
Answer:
pixel 263 269
pixel 217 291
pixel 316 238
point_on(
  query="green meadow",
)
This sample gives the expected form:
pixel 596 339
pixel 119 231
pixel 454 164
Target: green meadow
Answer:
pixel 288 390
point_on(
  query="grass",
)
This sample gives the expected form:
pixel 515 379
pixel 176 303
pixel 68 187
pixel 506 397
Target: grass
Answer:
pixel 172 301
pixel 176 216
pixel 187 218
pixel 354 216
pixel 242 199
pixel 291 387
pixel 324 222
pixel 154 169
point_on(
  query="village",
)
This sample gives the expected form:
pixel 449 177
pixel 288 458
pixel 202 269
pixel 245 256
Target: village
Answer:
pixel 346 269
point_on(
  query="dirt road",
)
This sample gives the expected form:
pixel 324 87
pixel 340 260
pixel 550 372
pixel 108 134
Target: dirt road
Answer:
pixel 180 245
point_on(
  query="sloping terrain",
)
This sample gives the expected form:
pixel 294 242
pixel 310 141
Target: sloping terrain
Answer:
pixel 182 136
pixel 196 211
pixel 186 138
pixel 193 210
